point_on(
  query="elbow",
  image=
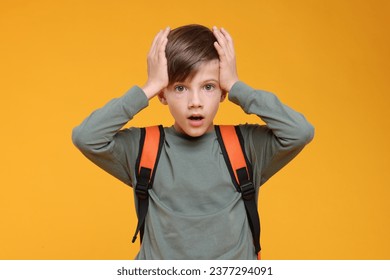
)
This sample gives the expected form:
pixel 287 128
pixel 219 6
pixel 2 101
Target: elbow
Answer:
pixel 87 141
pixel 79 138
pixel 304 134
pixel 299 136
pixel 308 133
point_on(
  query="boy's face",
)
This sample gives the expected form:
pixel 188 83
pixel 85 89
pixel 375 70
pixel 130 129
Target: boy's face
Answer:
pixel 194 103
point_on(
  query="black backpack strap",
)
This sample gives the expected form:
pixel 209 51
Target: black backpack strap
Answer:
pixel 232 144
pixel 151 142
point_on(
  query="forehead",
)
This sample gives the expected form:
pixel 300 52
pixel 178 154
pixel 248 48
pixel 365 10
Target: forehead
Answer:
pixel 208 70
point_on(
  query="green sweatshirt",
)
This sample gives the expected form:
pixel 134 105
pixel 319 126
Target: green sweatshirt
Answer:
pixel 194 210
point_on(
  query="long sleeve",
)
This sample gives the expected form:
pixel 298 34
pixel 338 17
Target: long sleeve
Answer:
pixel 285 134
pixel 100 138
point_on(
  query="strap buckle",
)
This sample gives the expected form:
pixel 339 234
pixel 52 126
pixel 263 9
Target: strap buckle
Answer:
pixel 143 183
pixel 141 190
pixel 247 190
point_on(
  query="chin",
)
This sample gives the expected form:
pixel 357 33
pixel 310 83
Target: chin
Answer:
pixel 197 132
pixel 194 133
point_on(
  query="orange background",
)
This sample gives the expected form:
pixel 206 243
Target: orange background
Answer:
pixel 59 60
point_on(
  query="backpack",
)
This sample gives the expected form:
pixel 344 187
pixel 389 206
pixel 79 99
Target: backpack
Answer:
pixel 232 144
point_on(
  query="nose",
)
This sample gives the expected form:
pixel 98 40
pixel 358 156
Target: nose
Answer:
pixel 195 99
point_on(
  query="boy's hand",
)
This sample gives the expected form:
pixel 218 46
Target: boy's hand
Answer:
pixel 227 58
pixel 157 65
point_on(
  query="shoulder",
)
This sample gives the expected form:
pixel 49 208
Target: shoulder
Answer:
pixel 129 134
pixel 254 132
pixel 259 141
pixel 128 139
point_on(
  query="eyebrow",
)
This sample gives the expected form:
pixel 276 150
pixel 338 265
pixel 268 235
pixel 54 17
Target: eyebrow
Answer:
pixel 202 82
pixel 211 80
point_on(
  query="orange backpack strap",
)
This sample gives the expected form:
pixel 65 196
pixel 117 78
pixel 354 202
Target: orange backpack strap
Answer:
pixel 232 144
pixel 151 141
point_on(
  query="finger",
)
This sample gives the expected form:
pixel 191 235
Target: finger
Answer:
pixel 218 35
pixel 222 41
pixel 227 35
pixel 166 31
pixel 154 44
pixel 162 41
pixel 220 51
pixel 229 40
pixel 161 52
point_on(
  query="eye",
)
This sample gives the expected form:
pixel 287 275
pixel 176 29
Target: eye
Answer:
pixel 180 88
pixel 209 87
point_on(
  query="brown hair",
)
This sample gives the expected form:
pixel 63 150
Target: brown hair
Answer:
pixel 187 47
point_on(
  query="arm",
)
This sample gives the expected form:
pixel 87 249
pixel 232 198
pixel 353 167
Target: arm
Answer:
pixel 100 138
pixel 286 131
pixel 285 134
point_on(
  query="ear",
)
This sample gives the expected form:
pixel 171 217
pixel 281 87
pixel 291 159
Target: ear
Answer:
pixel 161 97
pixel 223 95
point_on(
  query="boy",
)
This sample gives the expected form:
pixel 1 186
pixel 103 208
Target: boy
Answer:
pixel 194 210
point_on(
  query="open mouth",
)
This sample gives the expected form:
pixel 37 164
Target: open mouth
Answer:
pixel 196 118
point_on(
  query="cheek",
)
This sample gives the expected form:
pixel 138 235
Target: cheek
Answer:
pixel 214 105
pixel 176 109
